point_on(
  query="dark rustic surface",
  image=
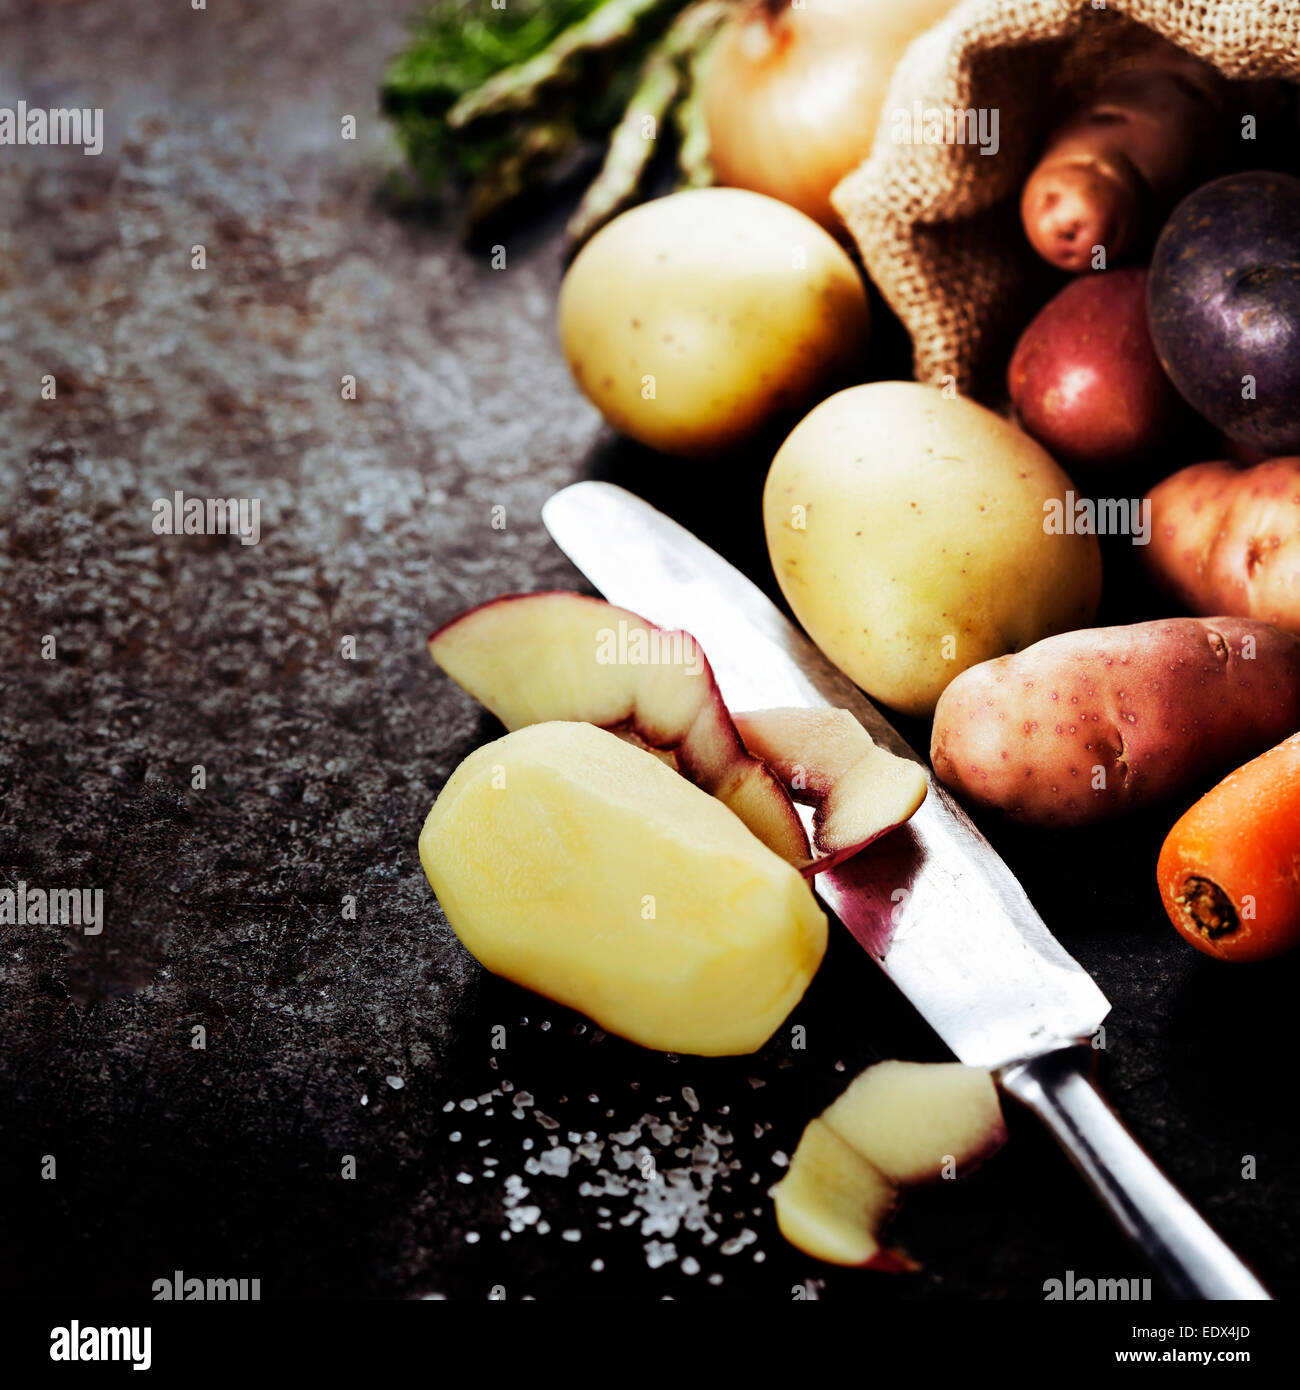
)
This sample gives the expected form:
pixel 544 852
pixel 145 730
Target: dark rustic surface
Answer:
pixel 374 1037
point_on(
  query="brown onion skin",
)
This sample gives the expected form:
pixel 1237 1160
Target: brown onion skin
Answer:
pixel 792 96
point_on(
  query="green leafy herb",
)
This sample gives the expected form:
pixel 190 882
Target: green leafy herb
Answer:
pixel 496 100
pixel 456 45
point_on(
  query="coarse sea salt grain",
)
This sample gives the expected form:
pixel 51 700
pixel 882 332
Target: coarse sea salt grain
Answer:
pixel 523 1217
pixel 737 1243
pixel 556 1162
pixel 662 1174
pixel 659 1253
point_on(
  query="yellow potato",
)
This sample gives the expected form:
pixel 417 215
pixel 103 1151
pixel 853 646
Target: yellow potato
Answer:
pixel 899 1124
pixel 833 1203
pixel 692 319
pixel 583 868
pixel 907 533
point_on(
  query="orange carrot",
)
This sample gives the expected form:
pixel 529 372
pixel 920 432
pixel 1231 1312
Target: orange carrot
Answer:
pixel 1229 872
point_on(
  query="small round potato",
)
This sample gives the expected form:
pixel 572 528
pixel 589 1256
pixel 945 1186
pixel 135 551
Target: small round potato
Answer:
pixel 908 533
pixel 691 320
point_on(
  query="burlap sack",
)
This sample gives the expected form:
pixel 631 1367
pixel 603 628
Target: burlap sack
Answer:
pixel 938 224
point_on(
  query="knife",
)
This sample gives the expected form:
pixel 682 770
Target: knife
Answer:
pixel 932 902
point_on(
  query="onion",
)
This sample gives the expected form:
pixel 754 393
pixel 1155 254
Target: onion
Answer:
pixel 793 92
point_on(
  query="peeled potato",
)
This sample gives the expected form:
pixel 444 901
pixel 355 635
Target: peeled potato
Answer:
pixel 912 1118
pixel 832 1203
pixel 899 1124
pixel 582 868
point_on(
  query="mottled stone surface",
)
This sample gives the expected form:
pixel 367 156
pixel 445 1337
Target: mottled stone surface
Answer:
pixel 225 904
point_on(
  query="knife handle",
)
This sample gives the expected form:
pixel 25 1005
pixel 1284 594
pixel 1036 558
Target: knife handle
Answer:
pixel 1193 1261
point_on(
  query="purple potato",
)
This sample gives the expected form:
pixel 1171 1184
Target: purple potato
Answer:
pixel 1223 302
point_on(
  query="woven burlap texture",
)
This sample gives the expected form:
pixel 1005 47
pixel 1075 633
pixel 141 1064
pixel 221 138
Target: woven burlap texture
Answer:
pixel 938 225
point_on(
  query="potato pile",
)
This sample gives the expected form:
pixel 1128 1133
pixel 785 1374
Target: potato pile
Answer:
pixel 937 551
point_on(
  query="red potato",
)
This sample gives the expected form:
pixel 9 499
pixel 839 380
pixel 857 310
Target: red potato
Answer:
pixel 1110 173
pixel 1093 723
pixel 1228 541
pixel 1085 379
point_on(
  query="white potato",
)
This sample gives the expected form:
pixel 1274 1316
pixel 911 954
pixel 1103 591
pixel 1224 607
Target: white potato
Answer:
pixel 692 319
pixel 907 533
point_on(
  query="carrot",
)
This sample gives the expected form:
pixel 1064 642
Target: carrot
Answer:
pixel 1229 871
pixel 1111 172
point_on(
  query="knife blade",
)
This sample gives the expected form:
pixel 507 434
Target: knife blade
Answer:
pixel 932 902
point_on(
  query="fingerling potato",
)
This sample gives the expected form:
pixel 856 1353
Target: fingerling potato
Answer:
pixel 1090 724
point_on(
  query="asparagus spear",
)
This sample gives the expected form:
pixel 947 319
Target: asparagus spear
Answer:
pixel 537 148
pixel 669 71
pixel 524 85
pixel 631 148
pixel 455 46
pixel 694 157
